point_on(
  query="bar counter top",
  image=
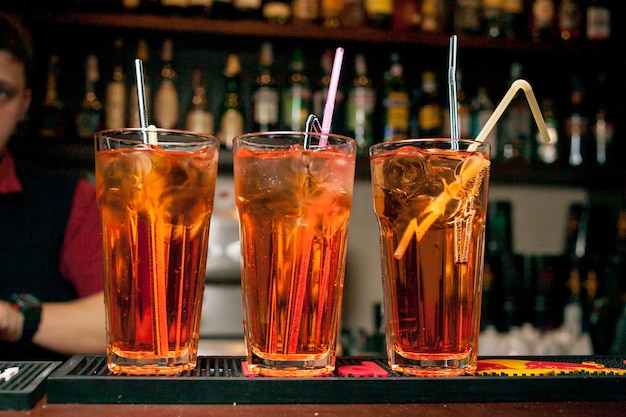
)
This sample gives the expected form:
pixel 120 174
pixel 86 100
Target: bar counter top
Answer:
pixel 496 409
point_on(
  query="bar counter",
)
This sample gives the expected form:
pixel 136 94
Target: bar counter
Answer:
pixel 496 409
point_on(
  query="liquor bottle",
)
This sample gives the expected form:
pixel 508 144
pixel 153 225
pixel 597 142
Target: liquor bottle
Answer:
pixel 577 125
pixel 407 15
pixel 166 95
pixel 464 111
pixel 513 21
pixel 501 292
pixel 570 19
pixel 115 96
pixel 575 252
pixel 131 5
pixel 467 16
pixel 199 116
pixel 353 15
pixel 493 15
pixel 396 106
pixel 514 132
pixel 306 11
pixel 321 92
pixel 248 9
pixel 379 13
pixel 265 94
pixel 601 127
pixel 361 107
pixel 331 12
pixel 598 20
pixel 610 305
pixel 199 8
pixel 543 19
pixel 428 108
pixel 52 111
pixel 482 109
pixel 133 106
pixel 296 96
pixel 89 116
pixel 277 11
pixel 433 15
pixel 232 116
pixel 548 153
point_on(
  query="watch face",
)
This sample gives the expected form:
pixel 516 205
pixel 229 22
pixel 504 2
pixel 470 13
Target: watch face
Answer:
pixel 26 301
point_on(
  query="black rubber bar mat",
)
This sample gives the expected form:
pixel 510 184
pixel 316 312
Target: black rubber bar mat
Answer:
pixel 22 390
pixel 222 380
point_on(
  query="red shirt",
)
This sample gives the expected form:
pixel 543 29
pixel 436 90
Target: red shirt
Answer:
pixel 81 254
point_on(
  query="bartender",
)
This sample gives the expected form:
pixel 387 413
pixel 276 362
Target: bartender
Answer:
pixel 51 279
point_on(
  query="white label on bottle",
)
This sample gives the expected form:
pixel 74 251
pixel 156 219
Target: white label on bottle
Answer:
pixel 200 121
pixel 361 106
pixel 166 105
pixel 115 105
pixel 598 23
pixel 266 106
pixel 231 126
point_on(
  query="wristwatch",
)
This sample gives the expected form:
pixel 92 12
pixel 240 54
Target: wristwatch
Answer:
pixel 30 307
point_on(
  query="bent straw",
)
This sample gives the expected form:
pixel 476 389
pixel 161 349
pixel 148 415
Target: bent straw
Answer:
pixel 452 97
pixel 471 170
pixel 330 99
pixel 506 100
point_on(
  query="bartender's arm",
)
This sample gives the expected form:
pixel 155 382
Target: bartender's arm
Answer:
pixel 70 327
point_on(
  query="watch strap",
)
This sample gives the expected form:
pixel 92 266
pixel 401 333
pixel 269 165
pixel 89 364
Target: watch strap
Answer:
pixel 30 307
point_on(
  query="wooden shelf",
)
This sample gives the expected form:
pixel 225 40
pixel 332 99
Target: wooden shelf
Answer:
pixel 259 28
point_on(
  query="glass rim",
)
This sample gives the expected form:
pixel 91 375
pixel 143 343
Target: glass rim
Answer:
pixel 378 147
pixel 246 138
pixel 125 134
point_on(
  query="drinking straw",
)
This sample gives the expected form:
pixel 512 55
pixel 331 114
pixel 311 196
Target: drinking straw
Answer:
pixel 157 256
pixel 454 113
pixel 506 100
pixel 312 125
pixel 151 138
pixel 300 281
pixel 470 175
pixel 330 98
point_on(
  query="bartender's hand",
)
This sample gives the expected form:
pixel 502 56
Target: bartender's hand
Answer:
pixel 11 323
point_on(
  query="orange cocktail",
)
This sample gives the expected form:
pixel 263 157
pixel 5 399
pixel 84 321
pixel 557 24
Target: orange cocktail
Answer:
pixel 430 197
pixel 156 203
pixel 294 206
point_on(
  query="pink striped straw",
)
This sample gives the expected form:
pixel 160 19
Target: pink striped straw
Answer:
pixel 330 99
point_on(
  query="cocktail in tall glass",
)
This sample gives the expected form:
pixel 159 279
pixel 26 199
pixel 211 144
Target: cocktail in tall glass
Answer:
pixel 293 199
pixel 430 198
pixel 156 203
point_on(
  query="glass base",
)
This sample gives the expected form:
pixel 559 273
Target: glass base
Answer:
pixel 434 366
pixel 171 365
pixel 291 368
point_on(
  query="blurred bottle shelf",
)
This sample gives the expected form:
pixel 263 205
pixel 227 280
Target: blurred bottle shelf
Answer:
pixel 302 31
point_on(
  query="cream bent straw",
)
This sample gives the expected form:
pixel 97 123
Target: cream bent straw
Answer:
pixel 534 108
pixel 330 99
